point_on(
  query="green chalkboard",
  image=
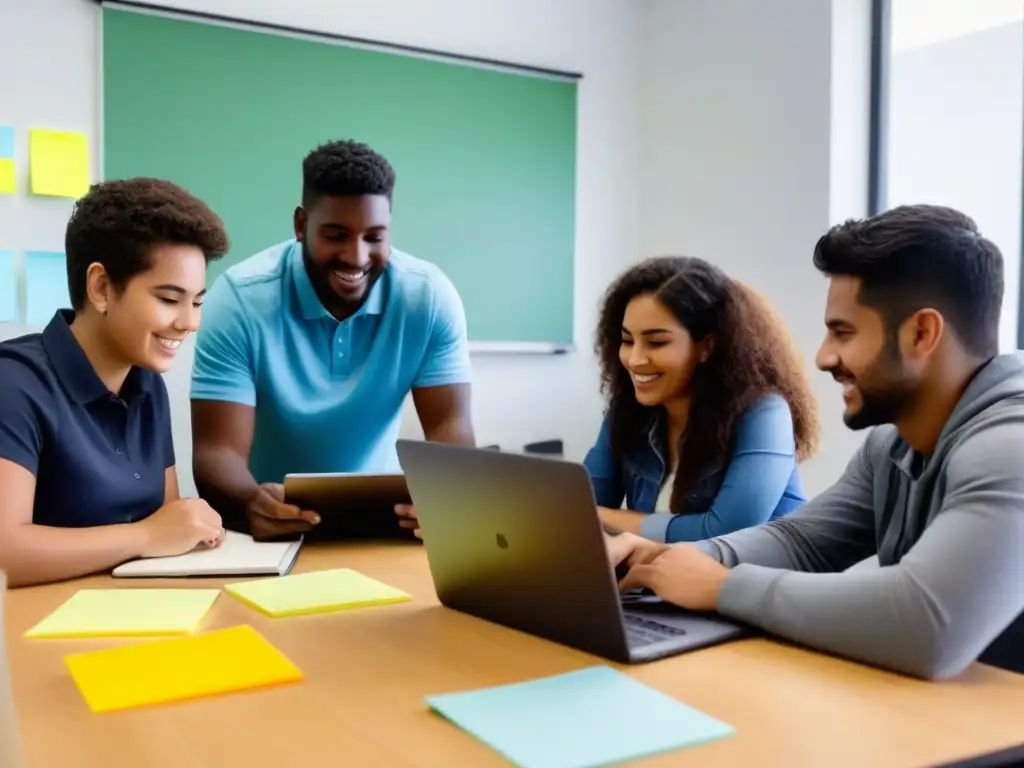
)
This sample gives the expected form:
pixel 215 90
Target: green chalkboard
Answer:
pixel 485 158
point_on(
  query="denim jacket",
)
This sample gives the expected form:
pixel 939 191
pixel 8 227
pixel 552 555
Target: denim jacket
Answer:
pixel 760 482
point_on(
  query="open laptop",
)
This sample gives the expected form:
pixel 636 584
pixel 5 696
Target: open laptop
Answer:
pixel 516 540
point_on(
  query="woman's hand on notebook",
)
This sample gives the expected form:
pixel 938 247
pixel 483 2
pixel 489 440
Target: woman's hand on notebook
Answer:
pixel 269 515
pixel 180 527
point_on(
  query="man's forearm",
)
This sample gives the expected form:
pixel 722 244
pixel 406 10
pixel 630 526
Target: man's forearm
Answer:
pixel 930 615
pixel 39 554
pixel 877 616
pixel 223 479
pixel 829 533
pixel 451 431
pixel 776 544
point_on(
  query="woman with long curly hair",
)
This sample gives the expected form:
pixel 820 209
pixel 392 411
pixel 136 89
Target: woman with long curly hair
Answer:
pixel 709 411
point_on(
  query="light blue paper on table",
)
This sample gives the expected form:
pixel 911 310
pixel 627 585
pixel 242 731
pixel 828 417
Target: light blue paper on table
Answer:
pixel 6 142
pixel 8 288
pixel 592 717
pixel 46 286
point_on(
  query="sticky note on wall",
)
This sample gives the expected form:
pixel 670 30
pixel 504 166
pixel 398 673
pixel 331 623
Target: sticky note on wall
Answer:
pixel 8 288
pixel 46 285
pixel 58 163
pixel 7 185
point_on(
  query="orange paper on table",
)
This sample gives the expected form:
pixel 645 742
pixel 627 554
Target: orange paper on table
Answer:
pixel 164 671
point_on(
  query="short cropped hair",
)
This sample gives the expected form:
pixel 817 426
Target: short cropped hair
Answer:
pixel 345 169
pixel 922 256
pixel 118 223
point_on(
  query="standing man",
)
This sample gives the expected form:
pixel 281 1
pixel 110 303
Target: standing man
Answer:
pixel 914 559
pixel 309 348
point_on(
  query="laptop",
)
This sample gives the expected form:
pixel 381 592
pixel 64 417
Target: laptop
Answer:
pixel 516 540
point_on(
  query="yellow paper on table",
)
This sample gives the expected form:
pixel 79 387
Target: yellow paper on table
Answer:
pixel 58 163
pixel 182 668
pixel 7 183
pixel 127 613
pixel 314 592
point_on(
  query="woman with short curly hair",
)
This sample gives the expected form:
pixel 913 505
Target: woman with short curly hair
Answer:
pixel 87 467
pixel 709 411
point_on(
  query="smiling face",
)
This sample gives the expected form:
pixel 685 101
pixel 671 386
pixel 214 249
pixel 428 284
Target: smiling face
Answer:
pixel 345 247
pixel 157 308
pixel 657 351
pixel 878 385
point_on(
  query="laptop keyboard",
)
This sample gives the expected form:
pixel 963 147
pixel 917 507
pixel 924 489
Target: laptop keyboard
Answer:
pixel 641 631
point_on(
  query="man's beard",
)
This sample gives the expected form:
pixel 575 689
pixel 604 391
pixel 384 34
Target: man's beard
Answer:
pixel 332 300
pixel 886 391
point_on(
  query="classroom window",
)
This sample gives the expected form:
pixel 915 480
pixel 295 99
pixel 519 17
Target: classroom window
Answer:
pixel 948 120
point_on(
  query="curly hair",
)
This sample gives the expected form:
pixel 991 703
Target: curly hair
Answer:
pixel 117 223
pixel 753 355
pixel 345 169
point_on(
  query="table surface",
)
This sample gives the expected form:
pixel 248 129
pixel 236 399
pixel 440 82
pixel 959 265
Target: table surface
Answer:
pixel 368 671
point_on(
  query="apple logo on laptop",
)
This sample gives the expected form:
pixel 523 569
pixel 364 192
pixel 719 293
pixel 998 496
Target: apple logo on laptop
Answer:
pixel 501 540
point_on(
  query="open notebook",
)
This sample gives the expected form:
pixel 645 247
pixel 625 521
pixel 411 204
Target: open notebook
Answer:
pixel 238 555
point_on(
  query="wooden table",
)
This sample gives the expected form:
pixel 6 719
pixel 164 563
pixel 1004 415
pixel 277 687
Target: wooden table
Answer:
pixel 369 670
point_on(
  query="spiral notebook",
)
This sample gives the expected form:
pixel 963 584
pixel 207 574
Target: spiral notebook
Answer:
pixel 238 555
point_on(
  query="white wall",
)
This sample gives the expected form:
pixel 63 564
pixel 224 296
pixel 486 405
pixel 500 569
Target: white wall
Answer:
pixel 956 125
pixel 50 51
pixel 739 154
pixel 727 129
pixel 922 22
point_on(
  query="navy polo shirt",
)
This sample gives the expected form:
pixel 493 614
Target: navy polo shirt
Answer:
pixel 98 458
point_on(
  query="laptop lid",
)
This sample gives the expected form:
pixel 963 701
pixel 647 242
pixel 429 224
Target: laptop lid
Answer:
pixel 516 540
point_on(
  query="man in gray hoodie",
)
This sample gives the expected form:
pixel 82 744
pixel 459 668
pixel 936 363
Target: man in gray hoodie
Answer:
pixel 914 559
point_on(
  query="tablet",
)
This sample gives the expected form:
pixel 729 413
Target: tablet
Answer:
pixel 351 504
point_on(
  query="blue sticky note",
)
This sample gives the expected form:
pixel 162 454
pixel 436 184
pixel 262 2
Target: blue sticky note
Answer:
pixel 592 717
pixel 46 286
pixel 8 288
pixel 6 141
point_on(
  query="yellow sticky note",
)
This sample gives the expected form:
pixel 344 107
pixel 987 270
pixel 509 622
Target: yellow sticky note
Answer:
pixel 164 671
pixel 127 613
pixel 58 163
pixel 7 185
pixel 314 592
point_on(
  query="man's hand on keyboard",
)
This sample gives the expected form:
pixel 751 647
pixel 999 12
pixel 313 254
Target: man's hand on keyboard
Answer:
pixel 680 574
pixel 629 549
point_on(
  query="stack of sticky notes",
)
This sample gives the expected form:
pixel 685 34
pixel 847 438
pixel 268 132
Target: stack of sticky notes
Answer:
pixel 165 671
pixel 7 183
pixel 314 592
pixel 127 613
pixel 591 717
pixel 195 665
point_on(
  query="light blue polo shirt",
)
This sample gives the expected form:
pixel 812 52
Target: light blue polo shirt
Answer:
pixel 328 394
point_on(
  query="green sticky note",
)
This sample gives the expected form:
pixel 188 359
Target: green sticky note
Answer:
pixel 127 613
pixel 583 719
pixel 314 592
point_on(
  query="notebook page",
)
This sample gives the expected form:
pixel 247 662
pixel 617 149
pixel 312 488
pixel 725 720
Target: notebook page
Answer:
pixel 237 554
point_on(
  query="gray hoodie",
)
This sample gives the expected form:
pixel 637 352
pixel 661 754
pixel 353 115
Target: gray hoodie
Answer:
pixel 910 562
